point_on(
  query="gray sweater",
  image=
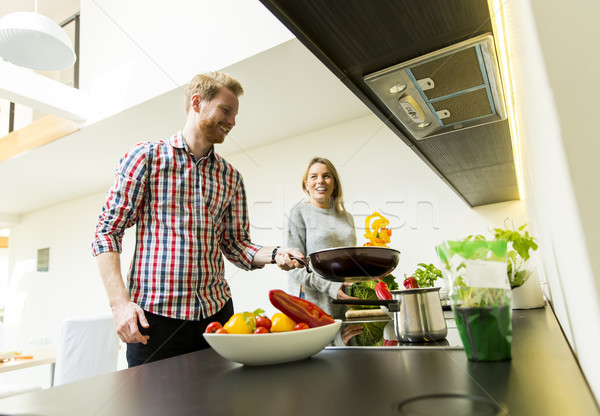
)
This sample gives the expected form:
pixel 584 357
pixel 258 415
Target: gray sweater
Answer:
pixel 309 229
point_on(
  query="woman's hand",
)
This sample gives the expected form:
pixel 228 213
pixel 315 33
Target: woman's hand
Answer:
pixel 350 332
pixel 343 295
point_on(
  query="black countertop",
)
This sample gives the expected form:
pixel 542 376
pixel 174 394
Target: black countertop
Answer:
pixel 543 378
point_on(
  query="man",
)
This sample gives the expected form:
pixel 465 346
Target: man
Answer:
pixel 189 207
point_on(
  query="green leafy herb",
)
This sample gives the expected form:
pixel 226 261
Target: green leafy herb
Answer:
pixel 426 275
pixel 522 243
pixel 474 248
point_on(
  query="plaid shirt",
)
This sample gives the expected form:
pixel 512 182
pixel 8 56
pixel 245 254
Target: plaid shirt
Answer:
pixel 187 213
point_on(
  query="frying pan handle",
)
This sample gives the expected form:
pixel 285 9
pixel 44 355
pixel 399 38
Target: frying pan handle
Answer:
pixel 303 261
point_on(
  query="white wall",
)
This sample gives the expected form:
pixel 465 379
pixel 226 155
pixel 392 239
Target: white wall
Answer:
pixel 37 302
pixel 422 209
pixel 556 82
pixel 135 50
pixel 3 274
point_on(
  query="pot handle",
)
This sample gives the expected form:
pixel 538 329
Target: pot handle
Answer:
pixel 304 262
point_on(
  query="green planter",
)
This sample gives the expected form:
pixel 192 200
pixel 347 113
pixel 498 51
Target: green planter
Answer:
pixel 486 333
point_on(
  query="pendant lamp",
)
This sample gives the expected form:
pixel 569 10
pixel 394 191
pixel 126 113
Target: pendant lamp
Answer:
pixel 34 41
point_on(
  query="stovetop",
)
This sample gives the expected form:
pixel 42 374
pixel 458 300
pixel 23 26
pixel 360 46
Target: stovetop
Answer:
pixel 381 335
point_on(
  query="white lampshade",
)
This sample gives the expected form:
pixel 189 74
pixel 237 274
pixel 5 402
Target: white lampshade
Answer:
pixel 34 41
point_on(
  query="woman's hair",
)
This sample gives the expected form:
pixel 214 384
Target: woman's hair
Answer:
pixel 337 197
pixel 207 86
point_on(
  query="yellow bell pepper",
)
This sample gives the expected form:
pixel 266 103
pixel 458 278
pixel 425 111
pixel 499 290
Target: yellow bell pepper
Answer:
pixel 376 231
pixel 282 323
pixel 241 323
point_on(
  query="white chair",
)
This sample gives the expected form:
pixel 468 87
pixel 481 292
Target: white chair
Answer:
pixel 88 346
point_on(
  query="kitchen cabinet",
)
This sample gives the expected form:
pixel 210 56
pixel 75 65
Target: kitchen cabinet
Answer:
pixel 543 378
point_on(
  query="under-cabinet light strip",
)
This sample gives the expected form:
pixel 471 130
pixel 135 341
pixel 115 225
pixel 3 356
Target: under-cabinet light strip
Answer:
pixel 501 38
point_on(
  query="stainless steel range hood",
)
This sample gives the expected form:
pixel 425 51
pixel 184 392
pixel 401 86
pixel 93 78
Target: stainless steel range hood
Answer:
pixel 454 88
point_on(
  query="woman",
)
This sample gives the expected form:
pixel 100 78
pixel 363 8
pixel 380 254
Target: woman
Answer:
pixel 318 223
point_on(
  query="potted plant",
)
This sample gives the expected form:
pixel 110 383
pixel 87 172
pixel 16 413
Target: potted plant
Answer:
pixel 520 246
pixel 480 296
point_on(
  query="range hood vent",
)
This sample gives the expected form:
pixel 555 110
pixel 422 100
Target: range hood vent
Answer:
pixel 444 91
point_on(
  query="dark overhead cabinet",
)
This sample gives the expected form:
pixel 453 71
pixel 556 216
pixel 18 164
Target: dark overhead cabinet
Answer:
pixel 428 70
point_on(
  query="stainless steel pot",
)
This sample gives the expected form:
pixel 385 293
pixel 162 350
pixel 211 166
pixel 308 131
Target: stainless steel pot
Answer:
pixel 420 317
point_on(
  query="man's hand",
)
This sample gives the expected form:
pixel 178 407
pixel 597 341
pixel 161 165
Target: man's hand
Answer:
pixel 127 315
pixel 283 260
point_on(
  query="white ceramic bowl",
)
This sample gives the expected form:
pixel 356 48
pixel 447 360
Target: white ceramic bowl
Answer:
pixel 273 348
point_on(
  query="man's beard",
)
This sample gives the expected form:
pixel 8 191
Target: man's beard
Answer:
pixel 211 132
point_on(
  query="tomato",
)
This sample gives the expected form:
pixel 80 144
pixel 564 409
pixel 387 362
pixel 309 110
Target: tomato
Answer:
pixel 212 327
pixel 282 323
pixel 241 323
pixel 261 330
pixel 221 331
pixel 263 321
pixel 300 326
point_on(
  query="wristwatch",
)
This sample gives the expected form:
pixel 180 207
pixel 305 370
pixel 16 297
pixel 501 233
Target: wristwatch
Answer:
pixel 274 254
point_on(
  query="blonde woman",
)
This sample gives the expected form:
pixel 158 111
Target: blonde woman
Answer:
pixel 319 222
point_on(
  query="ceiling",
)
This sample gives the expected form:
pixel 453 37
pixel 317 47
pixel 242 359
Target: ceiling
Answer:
pixel 355 39
pixel 338 43
pixel 83 163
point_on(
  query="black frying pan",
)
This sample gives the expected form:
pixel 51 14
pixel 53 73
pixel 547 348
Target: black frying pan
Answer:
pixel 352 264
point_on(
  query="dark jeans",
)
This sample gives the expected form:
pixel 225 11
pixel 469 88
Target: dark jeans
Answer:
pixel 170 337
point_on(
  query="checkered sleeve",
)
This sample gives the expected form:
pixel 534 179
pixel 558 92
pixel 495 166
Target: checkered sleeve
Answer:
pixel 235 242
pixel 123 201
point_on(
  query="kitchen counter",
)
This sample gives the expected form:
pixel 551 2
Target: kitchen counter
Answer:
pixel 543 378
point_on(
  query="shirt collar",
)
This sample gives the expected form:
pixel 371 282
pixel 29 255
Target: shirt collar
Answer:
pixel 177 141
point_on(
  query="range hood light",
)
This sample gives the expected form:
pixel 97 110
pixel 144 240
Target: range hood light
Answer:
pixel 398 88
pixel 424 124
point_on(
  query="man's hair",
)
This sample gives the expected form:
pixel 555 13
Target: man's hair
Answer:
pixel 207 86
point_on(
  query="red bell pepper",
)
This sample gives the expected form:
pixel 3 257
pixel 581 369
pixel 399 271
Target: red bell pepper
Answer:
pixel 300 310
pixel 382 291
pixel 410 283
